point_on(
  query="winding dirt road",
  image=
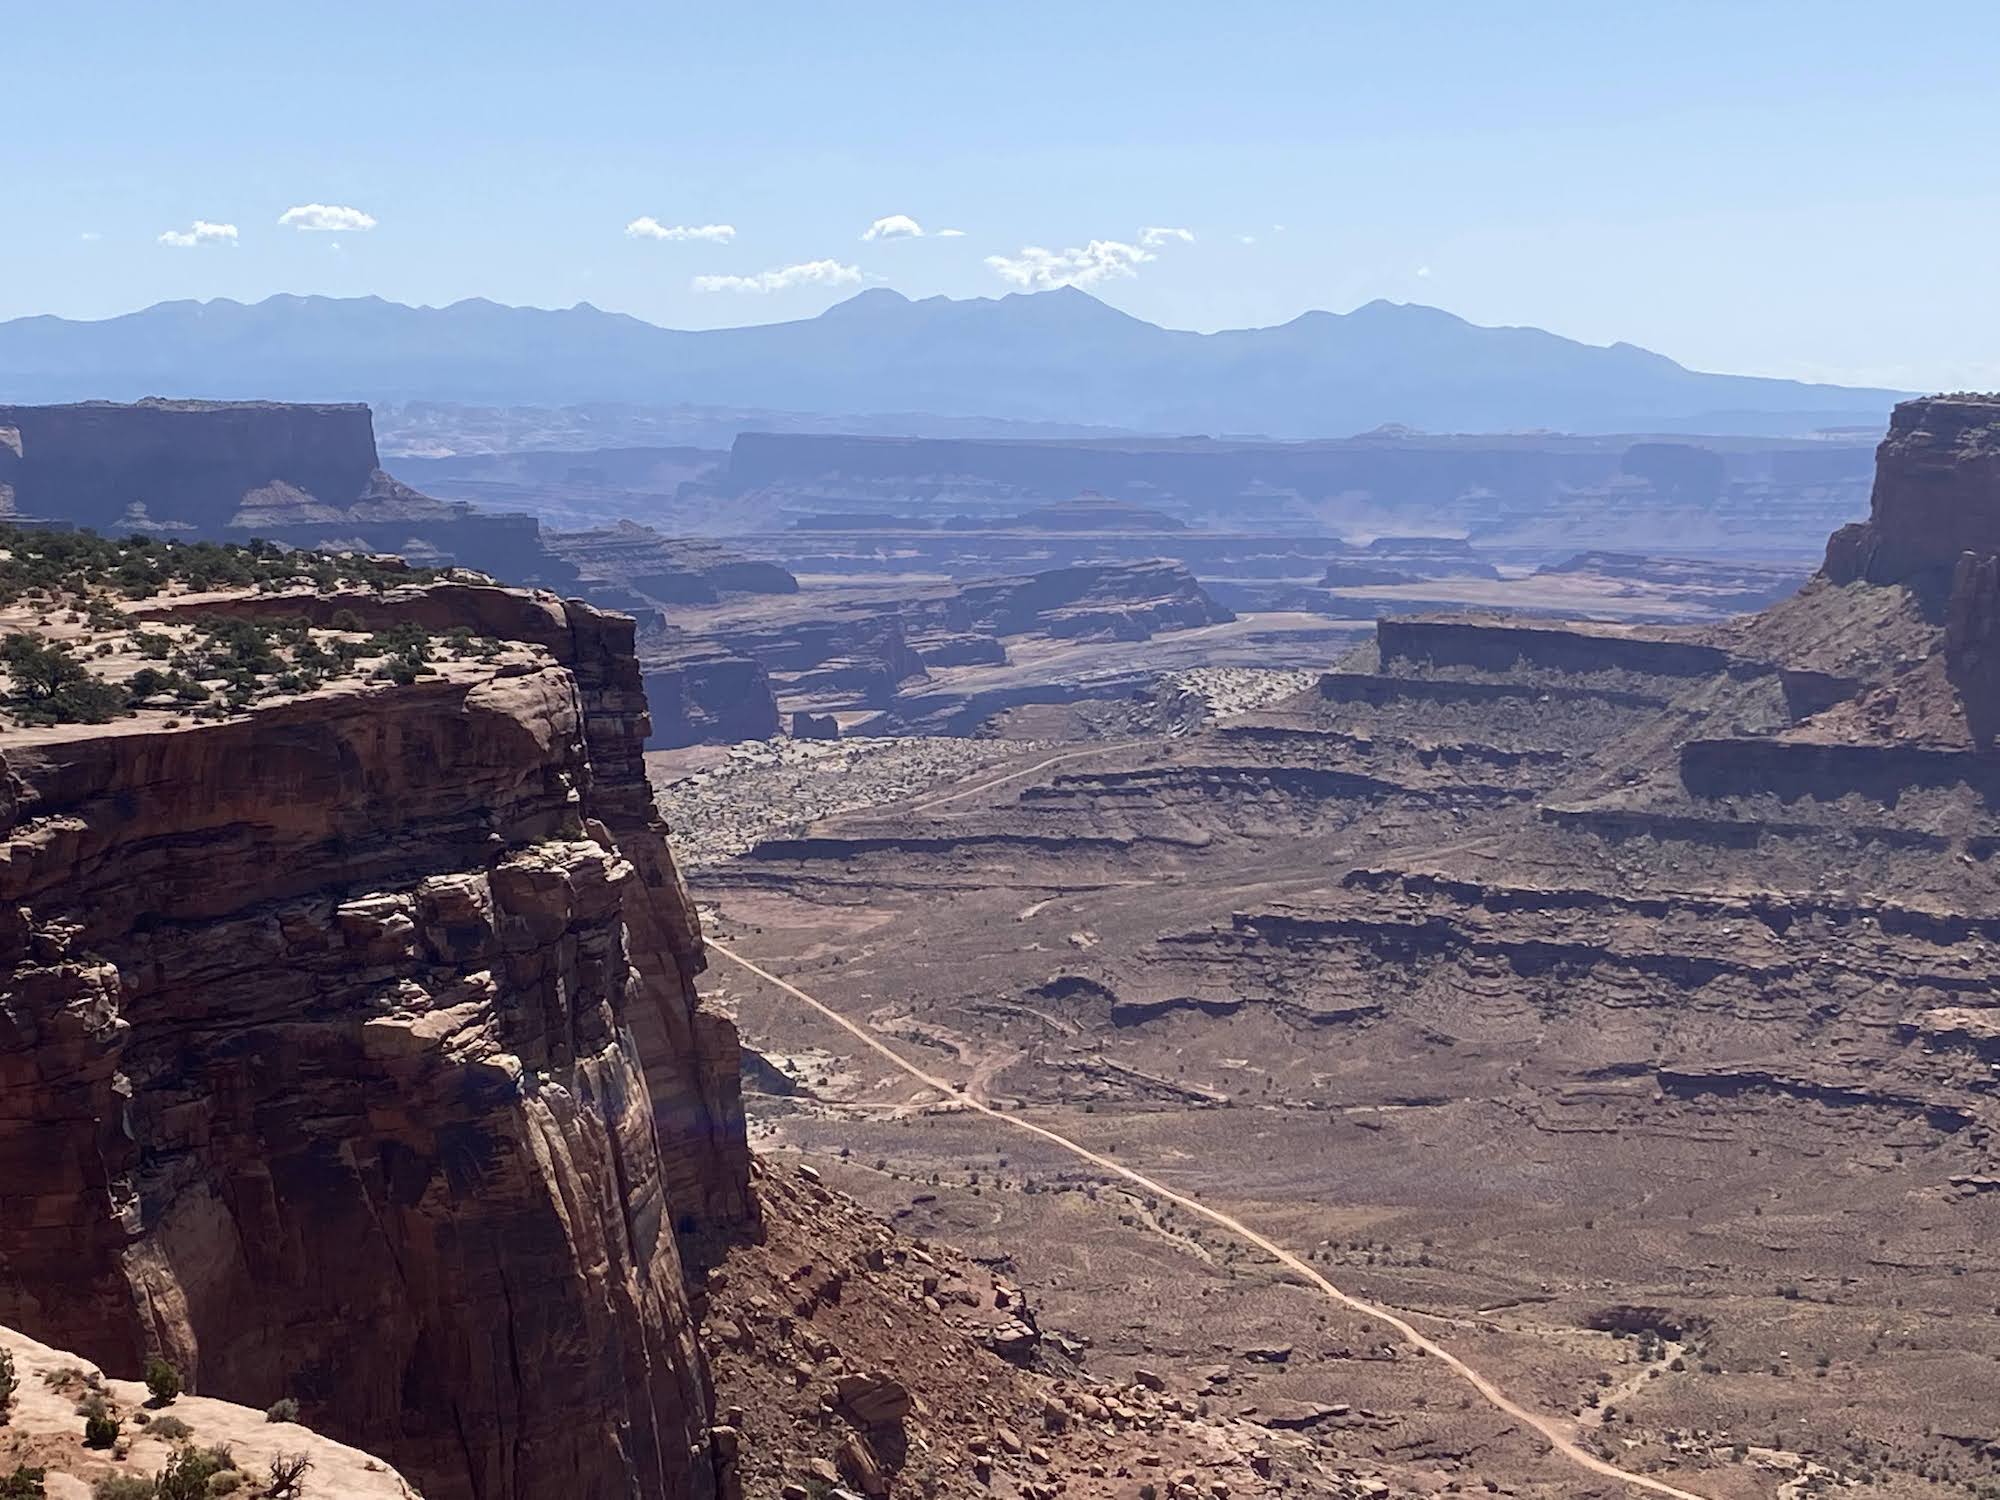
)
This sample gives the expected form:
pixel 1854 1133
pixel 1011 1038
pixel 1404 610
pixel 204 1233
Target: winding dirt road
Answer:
pixel 1559 1441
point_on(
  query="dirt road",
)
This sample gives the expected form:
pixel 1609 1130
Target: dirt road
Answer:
pixel 1558 1441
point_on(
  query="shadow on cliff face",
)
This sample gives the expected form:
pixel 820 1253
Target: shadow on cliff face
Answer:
pixel 1972 644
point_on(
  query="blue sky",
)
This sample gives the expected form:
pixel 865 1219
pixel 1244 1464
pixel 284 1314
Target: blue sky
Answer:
pixel 1808 189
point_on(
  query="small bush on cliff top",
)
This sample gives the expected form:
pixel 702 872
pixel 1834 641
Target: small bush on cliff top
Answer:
pixel 162 1380
pixel 8 1382
pixel 23 1484
pixel 190 1472
pixel 100 1429
pixel 284 1409
pixel 122 1487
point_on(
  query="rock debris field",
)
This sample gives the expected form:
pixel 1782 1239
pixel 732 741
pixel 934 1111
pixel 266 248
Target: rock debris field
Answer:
pixel 773 788
pixel 769 788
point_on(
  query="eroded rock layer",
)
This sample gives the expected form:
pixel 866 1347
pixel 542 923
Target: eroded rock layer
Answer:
pixel 1524 972
pixel 325 1054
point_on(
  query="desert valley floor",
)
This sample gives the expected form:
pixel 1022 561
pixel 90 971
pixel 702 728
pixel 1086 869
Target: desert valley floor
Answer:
pixel 1612 1001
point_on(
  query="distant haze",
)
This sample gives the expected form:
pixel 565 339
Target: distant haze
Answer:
pixel 1054 356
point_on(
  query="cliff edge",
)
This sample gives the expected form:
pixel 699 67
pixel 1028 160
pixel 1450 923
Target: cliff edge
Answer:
pixel 337 964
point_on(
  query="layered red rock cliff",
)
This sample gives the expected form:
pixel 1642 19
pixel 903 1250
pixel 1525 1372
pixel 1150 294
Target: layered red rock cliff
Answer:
pixel 1933 527
pixel 326 1040
pixel 1935 475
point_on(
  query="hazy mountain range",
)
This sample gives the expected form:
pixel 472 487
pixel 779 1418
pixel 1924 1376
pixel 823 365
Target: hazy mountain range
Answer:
pixel 1059 356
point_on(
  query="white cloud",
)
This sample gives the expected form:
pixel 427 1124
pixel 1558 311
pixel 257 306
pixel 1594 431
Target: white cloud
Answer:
pixel 951 234
pixel 894 227
pixel 784 278
pixel 1155 235
pixel 202 233
pixel 1041 270
pixel 649 228
pixel 90 236
pixel 1246 239
pixel 326 216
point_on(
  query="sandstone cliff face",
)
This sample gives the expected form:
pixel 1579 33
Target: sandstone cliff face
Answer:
pixel 1972 643
pixel 1934 527
pixel 193 460
pixel 1935 477
pixel 700 692
pixel 325 1043
pixel 667 570
pixel 230 470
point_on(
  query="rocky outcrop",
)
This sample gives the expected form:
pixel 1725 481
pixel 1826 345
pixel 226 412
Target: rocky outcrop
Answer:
pixel 1500 647
pixel 847 1353
pixel 815 727
pixel 704 693
pixel 197 462
pixel 349 1050
pixel 41 1431
pixel 1936 474
pixel 307 476
pixel 1972 643
pixel 663 569
pixel 868 649
pixel 1105 601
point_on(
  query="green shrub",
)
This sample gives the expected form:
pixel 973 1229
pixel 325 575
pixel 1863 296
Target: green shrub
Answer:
pixel 169 1429
pixel 54 564
pixel 23 1484
pixel 190 1473
pixel 284 1409
pixel 123 1487
pixel 162 1380
pixel 52 687
pixel 8 1382
pixel 228 1482
pixel 100 1429
pixel 147 682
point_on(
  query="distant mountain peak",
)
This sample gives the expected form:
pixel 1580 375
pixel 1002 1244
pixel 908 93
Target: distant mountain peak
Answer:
pixel 1059 355
pixel 868 303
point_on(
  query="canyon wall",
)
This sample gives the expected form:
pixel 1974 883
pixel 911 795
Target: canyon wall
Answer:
pixel 307 476
pixel 194 461
pixel 1542 489
pixel 349 1050
pixel 1935 474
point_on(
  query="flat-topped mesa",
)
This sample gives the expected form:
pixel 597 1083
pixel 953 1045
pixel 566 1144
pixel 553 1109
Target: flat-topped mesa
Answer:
pixel 1937 495
pixel 308 476
pixel 1504 644
pixel 1122 601
pixel 327 1029
pixel 666 570
pixel 196 462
